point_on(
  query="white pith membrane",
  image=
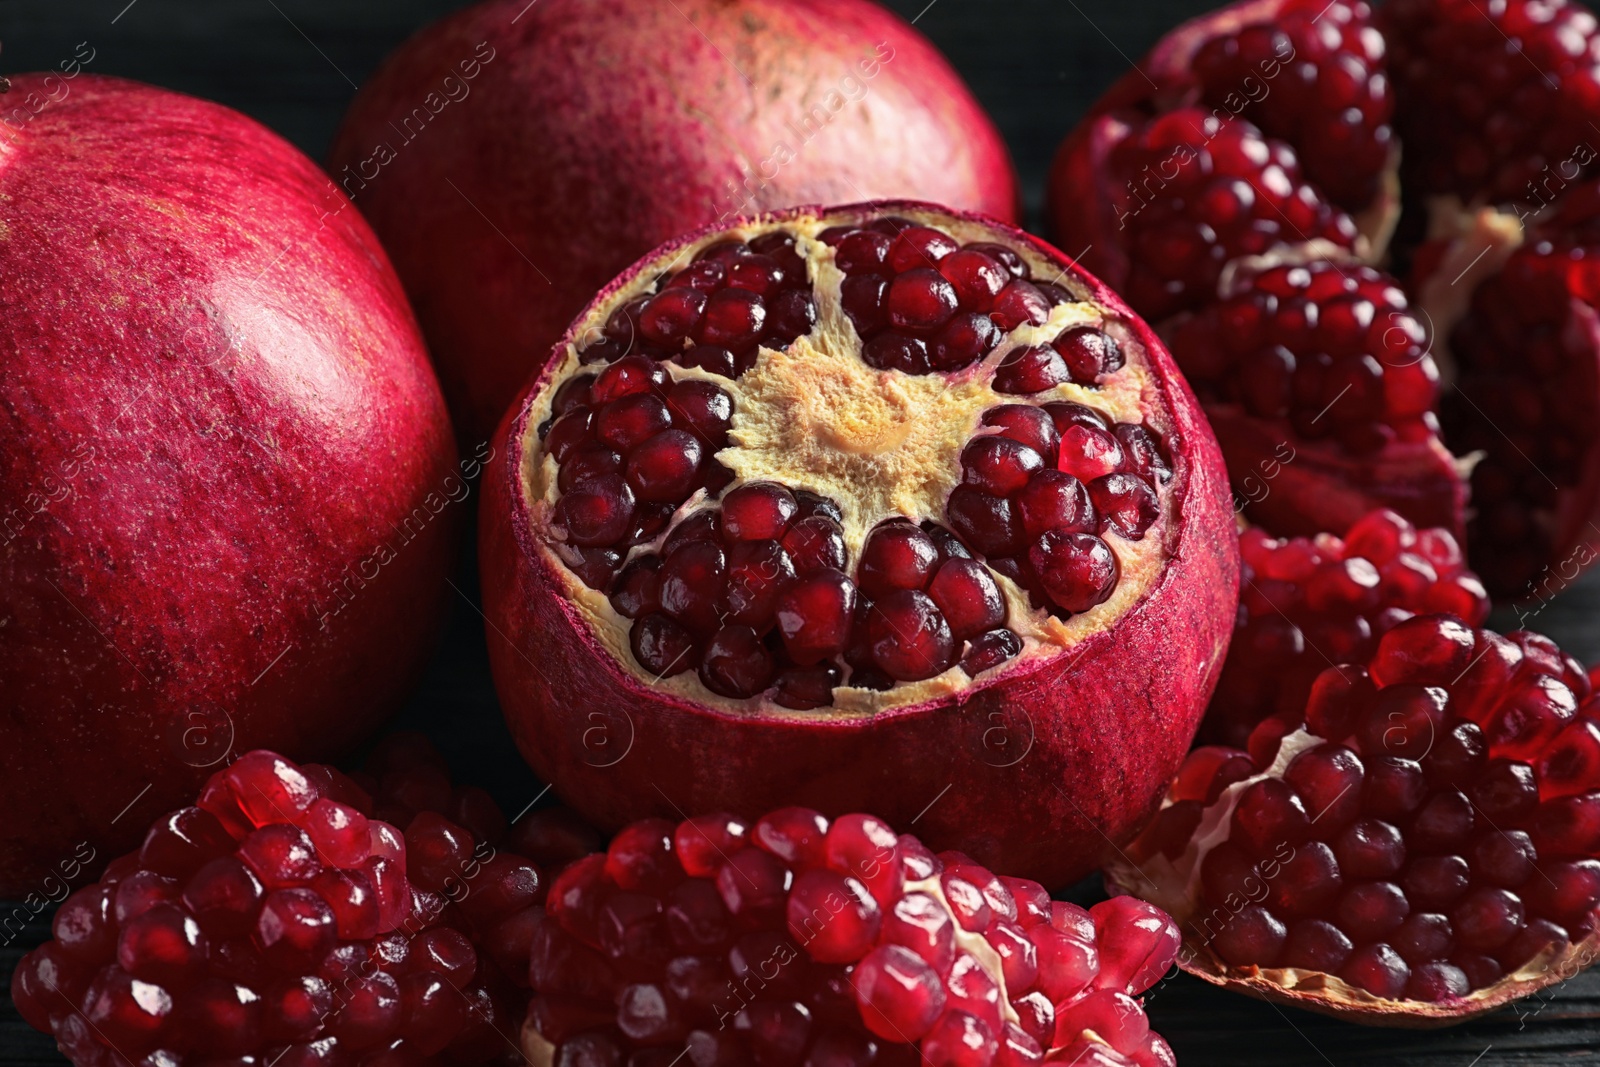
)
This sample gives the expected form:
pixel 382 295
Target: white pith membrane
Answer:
pixel 1174 885
pixel 539 1051
pixel 878 443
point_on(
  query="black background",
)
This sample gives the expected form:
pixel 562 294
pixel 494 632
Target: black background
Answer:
pixel 294 65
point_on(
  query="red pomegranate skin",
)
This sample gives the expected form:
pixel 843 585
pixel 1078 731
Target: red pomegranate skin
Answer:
pixel 591 131
pixel 218 438
pixel 1042 772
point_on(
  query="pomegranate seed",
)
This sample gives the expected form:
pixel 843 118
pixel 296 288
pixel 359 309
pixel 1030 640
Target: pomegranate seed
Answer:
pixel 814 616
pixel 1030 370
pixel 735 663
pixel 1078 570
pixel 911 639
pixel 897 555
pixel 1090 354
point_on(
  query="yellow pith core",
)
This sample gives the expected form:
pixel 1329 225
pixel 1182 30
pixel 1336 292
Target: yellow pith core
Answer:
pixel 879 444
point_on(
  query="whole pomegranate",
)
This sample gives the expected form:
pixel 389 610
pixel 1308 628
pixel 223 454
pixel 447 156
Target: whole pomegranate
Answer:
pixel 557 142
pixel 1241 188
pixel 1419 845
pixel 796 939
pixel 224 466
pixel 880 507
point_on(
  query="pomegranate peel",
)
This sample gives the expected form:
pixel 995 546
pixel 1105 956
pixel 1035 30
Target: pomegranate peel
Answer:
pixel 1346 877
pixel 850 441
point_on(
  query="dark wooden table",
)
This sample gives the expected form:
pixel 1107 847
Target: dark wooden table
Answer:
pixel 294 65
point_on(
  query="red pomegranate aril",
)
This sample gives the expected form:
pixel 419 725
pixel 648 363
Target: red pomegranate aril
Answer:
pixel 1027 371
pixel 967 337
pixel 596 514
pixel 806 688
pixel 1378 969
pixel 1090 354
pixel 919 246
pixel 815 543
pixel 1089 453
pixel 920 301
pixel 663 468
pixel 999 465
pixel 966 593
pixel 662 646
pixel 669 317
pixel 911 640
pixel 692 578
pixel 977 277
pixel 862 251
pixel 760 511
pixel 1055 500
pixel 1027 425
pixel 1252 936
pixel 1078 570
pixel 1020 303
pixel 984 521
pixel 814 615
pixel 758 572
pixel 897 555
pixel 864 299
pixel 1125 504
pixel 628 376
pixel 735 663
pixel 733 319
pixel 987 651
pixel 587 465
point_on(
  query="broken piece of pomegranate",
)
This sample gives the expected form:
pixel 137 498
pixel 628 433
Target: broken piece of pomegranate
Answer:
pixel 1419 847
pixel 878 507
pixel 279 921
pixel 1307 602
pixel 795 940
pixel 1241 188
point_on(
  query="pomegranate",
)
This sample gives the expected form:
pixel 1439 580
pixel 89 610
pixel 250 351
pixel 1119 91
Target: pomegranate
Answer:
pixel 572 137
pixel 280 921
pixel 1420 845
pixel 796 939
pixel 878 507
pixel 225 467
pixel 1241 186
pixel 1309 602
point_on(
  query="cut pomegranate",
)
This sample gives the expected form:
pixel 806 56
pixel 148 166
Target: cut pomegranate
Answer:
pixel 799 941
pixel 958 478
pixel 1317 371
pixel 1305 603
pixel 285 918
pixel 1418 846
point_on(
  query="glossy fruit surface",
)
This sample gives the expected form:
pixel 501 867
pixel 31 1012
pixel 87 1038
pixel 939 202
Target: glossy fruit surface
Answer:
pixel 225 466
pixel 595 131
